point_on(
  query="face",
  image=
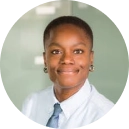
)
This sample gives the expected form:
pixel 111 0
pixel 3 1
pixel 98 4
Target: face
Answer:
pixel 68 56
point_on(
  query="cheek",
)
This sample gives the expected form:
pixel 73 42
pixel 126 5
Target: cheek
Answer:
pixel 84 67
pixel 52 64
pixel 84 62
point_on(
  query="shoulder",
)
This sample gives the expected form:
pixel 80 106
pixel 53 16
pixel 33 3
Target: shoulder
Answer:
pixel 38 94
pixel 32 100
pixel 100 102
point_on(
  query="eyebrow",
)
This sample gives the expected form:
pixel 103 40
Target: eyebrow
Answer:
pixel 58 45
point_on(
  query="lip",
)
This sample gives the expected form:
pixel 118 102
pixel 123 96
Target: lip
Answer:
pixel 67 71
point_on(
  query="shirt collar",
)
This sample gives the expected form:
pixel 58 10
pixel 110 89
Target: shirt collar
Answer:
pixel 71 104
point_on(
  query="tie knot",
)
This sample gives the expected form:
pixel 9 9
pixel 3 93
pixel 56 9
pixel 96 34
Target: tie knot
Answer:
pixel 57 109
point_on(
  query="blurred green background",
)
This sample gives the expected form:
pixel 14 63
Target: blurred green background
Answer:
pixel 21 57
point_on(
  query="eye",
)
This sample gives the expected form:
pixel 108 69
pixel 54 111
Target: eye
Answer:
pixel 78 51
pixel 56 52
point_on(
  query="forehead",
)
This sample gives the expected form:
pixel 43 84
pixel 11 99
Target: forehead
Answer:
pixel 67 33
pixel 68 28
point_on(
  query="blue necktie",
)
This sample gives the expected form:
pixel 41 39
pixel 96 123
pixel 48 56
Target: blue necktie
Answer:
pixel 53 121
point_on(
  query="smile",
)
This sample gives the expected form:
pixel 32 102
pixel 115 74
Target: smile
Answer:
pixel 67 72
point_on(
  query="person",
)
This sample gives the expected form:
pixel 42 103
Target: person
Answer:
pixel 68 59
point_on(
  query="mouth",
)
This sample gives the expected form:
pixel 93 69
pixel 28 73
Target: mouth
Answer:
pixel 67 71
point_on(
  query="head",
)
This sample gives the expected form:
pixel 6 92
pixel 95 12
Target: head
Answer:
pixel 68 55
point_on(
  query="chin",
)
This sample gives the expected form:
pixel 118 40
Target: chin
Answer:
pixel 69 84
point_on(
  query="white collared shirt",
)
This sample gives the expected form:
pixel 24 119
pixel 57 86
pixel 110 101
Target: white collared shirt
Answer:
pixel 84 107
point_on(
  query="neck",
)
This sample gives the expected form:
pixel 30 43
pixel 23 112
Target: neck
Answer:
pixel 64 93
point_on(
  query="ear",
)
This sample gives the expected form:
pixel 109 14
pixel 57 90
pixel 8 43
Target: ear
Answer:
pixel 91 57
pixel 44 58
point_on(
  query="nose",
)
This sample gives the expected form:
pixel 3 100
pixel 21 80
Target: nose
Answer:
pixel 67 58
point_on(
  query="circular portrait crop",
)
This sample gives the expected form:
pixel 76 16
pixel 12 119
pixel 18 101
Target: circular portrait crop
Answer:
pixel 64 68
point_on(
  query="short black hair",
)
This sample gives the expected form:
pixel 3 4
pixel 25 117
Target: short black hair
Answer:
pixel 68 20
